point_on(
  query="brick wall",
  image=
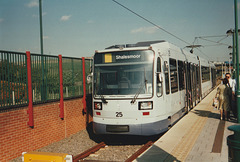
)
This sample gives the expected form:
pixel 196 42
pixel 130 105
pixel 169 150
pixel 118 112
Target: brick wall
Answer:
pixel 17 137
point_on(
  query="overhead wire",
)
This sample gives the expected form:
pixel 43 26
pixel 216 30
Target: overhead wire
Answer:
pixel 170 32
pixel 218 42
pixel 214 36
pixel 222 39
pixel 211 36
pixel 196 40
pixel 211 45
pixel 203 53
pixel 150 22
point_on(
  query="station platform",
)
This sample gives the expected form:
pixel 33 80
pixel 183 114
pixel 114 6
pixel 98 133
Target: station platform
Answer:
pixel 198 136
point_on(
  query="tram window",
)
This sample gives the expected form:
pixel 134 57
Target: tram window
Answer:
pixel 205 74
pixel 166 77
pixel 197 70
pixel 173 75
pixel 181 75
pixel 159 81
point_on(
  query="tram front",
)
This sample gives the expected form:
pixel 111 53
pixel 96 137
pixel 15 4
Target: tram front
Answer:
pixel 123 91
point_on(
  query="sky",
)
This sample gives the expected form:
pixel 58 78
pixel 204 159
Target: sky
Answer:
pixel 76 28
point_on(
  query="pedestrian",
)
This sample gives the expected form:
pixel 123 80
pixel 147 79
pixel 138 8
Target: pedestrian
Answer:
pixel 223 94
pixel 232 82
pixel 232 85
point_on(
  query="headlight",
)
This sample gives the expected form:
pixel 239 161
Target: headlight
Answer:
pixel 97 106
pixel 146 105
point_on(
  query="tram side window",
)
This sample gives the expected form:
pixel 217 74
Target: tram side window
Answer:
pixel 166 77
pixel 205 74
pixel 173 75
pixel 159 79
pixel 181 75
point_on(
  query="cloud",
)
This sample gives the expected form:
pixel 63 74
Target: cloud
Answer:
pixel 45 37
pixel 90 21
pixel 1 20
pixel 43 14
pixel 33 3
pixel 65 17
pixel 147 30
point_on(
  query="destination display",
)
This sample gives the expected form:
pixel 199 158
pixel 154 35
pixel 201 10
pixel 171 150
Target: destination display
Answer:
pixel 123 56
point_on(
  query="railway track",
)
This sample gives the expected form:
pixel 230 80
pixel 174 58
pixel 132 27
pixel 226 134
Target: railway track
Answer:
pixel 140 151
pixel 95 153
pixel 88 152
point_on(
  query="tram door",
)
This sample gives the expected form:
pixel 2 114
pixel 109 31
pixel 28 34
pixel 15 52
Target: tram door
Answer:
pixel 198 84
pixel 193 76
pixel 189 85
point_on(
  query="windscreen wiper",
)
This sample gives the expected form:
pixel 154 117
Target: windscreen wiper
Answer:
pixel 139 91
pixel 103 99
pixel 100 94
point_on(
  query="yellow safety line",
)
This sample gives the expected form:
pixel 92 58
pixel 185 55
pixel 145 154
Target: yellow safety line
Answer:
pixel 183 148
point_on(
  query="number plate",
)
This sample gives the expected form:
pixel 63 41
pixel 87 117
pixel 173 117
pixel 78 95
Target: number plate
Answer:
pixel 117 128
pixel 119 114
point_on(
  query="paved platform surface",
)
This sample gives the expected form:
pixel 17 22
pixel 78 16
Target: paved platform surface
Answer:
pixel 196 137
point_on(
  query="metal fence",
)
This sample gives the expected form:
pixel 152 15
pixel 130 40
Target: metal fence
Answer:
pixel 72 77
pixel 13 79
pixel 45 78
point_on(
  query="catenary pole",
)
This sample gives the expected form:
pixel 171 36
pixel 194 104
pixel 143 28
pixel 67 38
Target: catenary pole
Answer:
pixel 41 32
pixel 233 57
pixel 237 59
pixel 43 97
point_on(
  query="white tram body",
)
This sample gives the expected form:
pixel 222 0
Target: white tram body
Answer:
pixel 144 88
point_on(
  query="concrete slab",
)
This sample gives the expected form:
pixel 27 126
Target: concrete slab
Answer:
pixel 192 137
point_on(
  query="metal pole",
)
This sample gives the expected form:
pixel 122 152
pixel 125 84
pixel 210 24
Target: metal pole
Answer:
pixel 61 88
pixel 43 97
pixel 41 32
pixel 30 101
pixel 225 69
pixel 233 57
pixel 84 86
pixel 229 66
pixel 237 60
pixel 222 70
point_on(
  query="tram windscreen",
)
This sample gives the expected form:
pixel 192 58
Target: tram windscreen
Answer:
pixel 123 73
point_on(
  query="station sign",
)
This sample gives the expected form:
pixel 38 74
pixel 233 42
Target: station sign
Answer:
pixel 123 56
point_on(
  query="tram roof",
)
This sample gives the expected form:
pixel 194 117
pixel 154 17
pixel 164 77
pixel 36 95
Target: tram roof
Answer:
pixel 146 44
pixel 138 44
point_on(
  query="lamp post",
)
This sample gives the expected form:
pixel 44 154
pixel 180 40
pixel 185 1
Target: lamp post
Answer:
pixel 231 33
pixel 237 59
pixel 230 65
pixel 41 32
pixel 43 96
pixel 222 71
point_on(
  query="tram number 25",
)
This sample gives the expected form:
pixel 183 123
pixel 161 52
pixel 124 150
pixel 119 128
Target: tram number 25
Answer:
pixel 119 114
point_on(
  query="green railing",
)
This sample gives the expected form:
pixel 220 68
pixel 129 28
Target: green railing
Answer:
pixel 13 79
pixel 45 78
pixel 72 77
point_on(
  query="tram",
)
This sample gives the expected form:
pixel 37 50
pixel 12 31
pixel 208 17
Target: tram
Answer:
pixel 144 88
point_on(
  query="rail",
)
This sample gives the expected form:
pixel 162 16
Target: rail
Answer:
pixel 140 151
pixel 88 152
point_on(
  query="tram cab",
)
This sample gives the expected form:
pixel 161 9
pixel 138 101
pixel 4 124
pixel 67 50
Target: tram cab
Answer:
pixel 142 89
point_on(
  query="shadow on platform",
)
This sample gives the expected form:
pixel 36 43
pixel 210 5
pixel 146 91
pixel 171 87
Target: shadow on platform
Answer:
pixel 213 115
pixel 156 154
